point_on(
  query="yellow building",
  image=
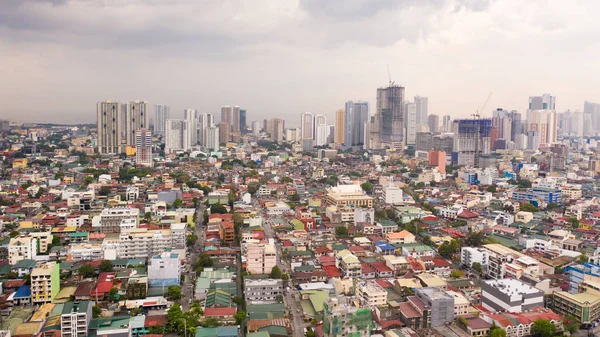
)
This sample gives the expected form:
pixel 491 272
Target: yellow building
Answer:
pixel 348 195
pixel 130 150
pixel 20 163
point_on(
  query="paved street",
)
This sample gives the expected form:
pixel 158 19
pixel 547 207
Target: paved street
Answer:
pixel 295 314
pixel 194 251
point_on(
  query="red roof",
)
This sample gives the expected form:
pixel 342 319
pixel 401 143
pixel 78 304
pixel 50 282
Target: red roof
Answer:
pixel 384 284
pixel 466 214
pixel 440 262
pixel 219 312
pixel 408 311
pixel 381 267
pixel 332 271
pixel 366 268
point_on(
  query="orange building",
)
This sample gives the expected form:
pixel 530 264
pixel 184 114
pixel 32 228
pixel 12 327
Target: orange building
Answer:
pixel 438 159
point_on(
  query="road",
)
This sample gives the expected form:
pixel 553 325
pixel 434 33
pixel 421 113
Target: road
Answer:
pixel 295 314
pixel 194 251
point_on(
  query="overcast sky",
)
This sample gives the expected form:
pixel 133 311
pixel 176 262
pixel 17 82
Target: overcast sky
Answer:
pixel 278 58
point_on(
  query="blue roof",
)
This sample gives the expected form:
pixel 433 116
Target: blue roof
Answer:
pixel 227 331
pixel 23 291
pixel 383 245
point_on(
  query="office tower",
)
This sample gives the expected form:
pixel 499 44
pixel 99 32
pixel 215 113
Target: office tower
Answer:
pixel 177 136
pixel 319 120
pixel 446 123
pixel 278 126
pixel 473 139
pixel 587 125
pixel 543 124
pixel 243 126
pixel 422 106
pixel 307 123
pixel 502 121
pixel 138 117
pixel 256 128
pixel 161 114
pixel 339 126
pixel 143 147
pixel 212 138
pixel 265 125
pixel 390 115
pixel 410 122
pixel 544 102
pixel 293 135
pixel 322 134
pixel 434 123
pixel 224 131
pixel 109 127
pixel 191 115
pixel 356 115
pixel 570 123
pixel 593 109
pixel 516 127
pixel 235 122
pixel 204 121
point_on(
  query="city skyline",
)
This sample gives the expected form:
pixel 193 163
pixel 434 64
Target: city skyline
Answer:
pixel 438 49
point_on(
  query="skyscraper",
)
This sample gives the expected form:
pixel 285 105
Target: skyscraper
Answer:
pixel 544 102
pixel 502 121
pixel 177 136
pixel 138 117
pixel 235 119
pixel 319 120
pixel 322 134
pixel 339 126
pixel 307 125
pixel 212 138
pixel 256 128
pixel 278 126
pixel 543 124
pixel 161 114
pixel 356 115
pixel 109 127
pixel 446 123
pixel 410 122
pixel 434 123
pixel 422 106
pixel 593 110
pixel 191 115
pixel 390 113
pixel 143 147
pixel 473 140
pixel 243 126
pixel 204 121
pixel 224 131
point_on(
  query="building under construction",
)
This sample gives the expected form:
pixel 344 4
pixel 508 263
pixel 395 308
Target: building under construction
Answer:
pixel 473 139
pixel 345 320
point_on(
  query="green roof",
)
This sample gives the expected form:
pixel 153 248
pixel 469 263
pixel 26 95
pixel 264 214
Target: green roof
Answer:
pixel 203 283
pixel 387 223
pixel 317 298
pixel 218 298
pixel 258 334
pixel 265 308
pixel 79 307
pixel 5 269
pixel 25 264
pixel 307 308
pixel 339 246
pixel 79 234
pixel 110 323
pixel 305 267
pixel 298 225
pixel 505 241
pixel 419 247
pixel 206 332
pixel 274 330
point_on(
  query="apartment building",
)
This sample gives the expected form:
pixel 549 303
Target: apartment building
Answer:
pixel 75 318
pixel 111 218
pixel 342 319
pixel 164 270
pixel 348 195
pixel 262 291
pixel 510 295
pixel 86 252
pixel 45 282
pixel 260 258
pixel 461 303
pixel 44 239
pixel 584 306
pixel 141 243
pixel 470 255
pixel 22 247
pixel 440 304
pixel 348 263
pixel 371 294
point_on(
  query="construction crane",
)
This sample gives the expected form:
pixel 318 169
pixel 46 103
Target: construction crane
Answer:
pixel 484 104
pixel 389 76
pixel 477 116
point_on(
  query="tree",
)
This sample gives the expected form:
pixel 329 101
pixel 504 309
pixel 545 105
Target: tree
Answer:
pixel 191 239
pixel 275 273
pixel 497 332
pixel 240 316
pixel 552 206
pixel 86 271
pixel 474 239
pixel 582 258
pixel 477 267
pixel 177 203
pixel 492 188
pixel 524 183
pixel 106 266
pixel 447 249
pixel 174 293
pixel 96 311
pixel 174 315
pixel 203 261
pixel 88 180
pixel 367 187
pixel 104 190
pixel 218 209
pixel 112 294
pixel 574 222
pixel 457 273
pixel 543 328
pixel 253 187
pixel 211 322
pixel 341 231
pixel 527 207
pixel 571 324
pixel 294 197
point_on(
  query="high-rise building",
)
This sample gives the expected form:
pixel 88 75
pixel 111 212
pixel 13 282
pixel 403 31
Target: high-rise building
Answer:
pixel 516 128
pixel 410 122
pixel 356 115
pixel 446 123
pixel 243 126
pixel 422 106
pixel 226 114
pixel 45 282
pixel 307 122
pixel 224 131
pixel 571 123
pixel 138 117
pixel 143 147
pixel 161 114
pixel 322 134
pixel 544 102
pixel 212 138
pixel 390 116
pixel 256 128
pixel 278 126
pixel 593 110
pixel 434 123
pixel 543 124
pixel 177 136
pixel 235 119
pixel 109 127
pixel 473 139
pixel 204 121
pixel 339 126
pixel 75 319
pixel 502 121
pixel 319 120
pixel 191 116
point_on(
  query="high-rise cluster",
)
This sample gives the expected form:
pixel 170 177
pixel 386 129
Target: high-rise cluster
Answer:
pixel 117 124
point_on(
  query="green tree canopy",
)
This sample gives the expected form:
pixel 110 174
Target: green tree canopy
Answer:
pixel 177 203
pixel 275 273
pixel 543 328
pixel 86 271
pixel 106 266
pixel 174 293
pixel 341 231
pixel 218 209
pixel 367 187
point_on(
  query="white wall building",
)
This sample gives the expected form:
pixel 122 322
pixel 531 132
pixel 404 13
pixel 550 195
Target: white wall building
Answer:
pixel 177 137
pixel 393 195
pixel 164 270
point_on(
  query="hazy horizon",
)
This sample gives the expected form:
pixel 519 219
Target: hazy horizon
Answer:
pixel 281 58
